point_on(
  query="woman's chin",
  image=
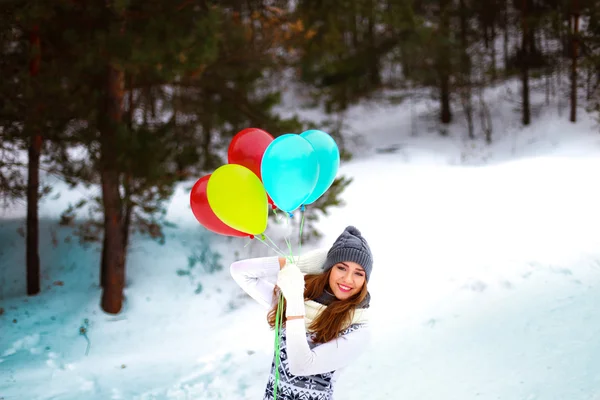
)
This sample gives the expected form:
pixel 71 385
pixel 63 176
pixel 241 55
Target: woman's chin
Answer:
pixel 341 295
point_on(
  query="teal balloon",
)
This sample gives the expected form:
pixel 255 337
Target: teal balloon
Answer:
pixel 289 170
pixel 328 155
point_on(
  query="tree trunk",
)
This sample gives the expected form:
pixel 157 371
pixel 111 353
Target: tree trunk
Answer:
pixel 574 38
pixel 486 36
pixel 446 114
pixel 444 64
pixel 33 258
pixel 103 263
pixel 467 104
pixel 464 56
pixel 506 38
pixel 127 218
pixel 526 119
pixel 588 90
pixel 112 295
pixel 127 179
pixel 33 183
pixel 486 118
pixel 548 74
pixel 355 25
pixel 373 62
pixel 33 178
pixel 559 61
pixel 484 112
pixel 465 70
pixel 494 73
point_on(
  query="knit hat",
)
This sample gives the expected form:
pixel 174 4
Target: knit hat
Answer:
pixel 350 246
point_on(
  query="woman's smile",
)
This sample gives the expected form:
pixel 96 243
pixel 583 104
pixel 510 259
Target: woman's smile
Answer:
pixel 344 288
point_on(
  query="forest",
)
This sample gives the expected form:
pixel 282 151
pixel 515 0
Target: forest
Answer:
pixel 136 97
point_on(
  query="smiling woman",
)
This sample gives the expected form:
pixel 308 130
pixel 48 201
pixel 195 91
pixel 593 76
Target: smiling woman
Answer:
pixel 324 316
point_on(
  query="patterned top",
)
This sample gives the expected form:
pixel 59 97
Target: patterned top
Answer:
pixel 292 387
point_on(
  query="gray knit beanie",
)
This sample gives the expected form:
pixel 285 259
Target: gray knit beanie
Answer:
pixel 350 246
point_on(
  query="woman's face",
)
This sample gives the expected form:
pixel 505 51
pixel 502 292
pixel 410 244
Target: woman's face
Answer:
pixel 346 279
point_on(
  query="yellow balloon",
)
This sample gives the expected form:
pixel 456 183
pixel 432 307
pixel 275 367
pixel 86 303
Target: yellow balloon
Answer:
pixel 238 198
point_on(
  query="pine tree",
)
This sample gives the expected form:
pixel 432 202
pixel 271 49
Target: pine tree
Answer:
pixel 29 113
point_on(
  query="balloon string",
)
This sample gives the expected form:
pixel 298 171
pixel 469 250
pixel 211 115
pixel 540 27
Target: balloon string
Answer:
pixel 278 321
pixel 279 313
pixel 275 249
pixel 279 317
pixel 288 242
pixel 277 217
pixel 272 242
pixel 302 209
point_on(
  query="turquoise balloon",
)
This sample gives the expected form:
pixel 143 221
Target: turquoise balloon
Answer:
pixel 328 155
pixel 290 170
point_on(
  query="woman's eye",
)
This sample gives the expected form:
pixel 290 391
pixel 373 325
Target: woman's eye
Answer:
pixel 359 274
pixel 341 268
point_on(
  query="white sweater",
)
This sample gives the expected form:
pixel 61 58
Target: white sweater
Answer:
pixel 320 363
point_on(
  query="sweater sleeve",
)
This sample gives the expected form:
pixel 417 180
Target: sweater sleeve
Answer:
pixel 327 357
pixel 257 277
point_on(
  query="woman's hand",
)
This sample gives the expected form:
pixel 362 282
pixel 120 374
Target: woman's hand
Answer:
pixel 291 283
pixel 310 263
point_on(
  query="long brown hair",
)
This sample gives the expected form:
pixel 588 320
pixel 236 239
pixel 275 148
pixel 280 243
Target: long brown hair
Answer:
pixel 334 317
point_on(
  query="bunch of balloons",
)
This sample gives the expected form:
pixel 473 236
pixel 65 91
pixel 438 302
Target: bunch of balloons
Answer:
pixel 287 172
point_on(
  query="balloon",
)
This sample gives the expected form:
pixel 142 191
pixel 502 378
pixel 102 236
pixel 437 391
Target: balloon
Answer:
pixel 247 148
pixel 205 215
pixel 238 198
pixel 290 169
pixel 329 161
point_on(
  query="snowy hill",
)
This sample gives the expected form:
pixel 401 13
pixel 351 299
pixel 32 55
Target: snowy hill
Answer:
pixel 486 281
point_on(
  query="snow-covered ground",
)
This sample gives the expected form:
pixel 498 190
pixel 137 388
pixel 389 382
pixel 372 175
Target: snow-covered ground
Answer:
pixel 486 282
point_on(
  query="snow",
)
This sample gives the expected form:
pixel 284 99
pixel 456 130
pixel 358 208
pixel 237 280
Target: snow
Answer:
pixel 486 281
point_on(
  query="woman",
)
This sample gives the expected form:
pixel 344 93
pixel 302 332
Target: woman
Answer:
pixel 325 312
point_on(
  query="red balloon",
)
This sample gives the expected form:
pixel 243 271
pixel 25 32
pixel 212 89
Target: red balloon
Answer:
pixel 247 148
pixel 205 215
